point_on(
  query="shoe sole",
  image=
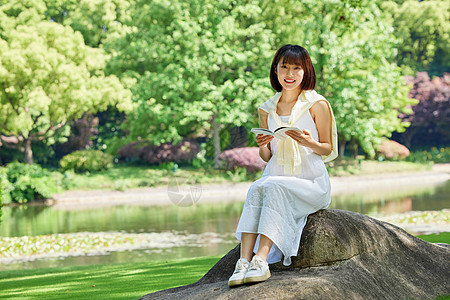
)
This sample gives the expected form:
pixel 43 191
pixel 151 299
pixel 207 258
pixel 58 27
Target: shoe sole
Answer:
pixel 257 278
pixel 237 282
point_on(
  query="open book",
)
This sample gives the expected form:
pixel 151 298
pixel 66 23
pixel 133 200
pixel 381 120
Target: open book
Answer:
pixel 279 133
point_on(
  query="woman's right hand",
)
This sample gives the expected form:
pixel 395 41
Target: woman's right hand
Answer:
pixel 263 139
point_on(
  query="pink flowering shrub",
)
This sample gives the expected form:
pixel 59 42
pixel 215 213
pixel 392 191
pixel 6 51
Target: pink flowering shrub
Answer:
pixel 247 157
pixel 392 150
pixel 167 152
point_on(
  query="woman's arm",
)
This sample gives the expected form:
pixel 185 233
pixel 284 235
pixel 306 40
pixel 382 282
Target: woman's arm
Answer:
pixel 321 114
pixel 263 140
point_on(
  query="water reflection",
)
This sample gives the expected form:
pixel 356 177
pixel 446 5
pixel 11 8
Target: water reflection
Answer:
pixel 396 201
pixel 218 217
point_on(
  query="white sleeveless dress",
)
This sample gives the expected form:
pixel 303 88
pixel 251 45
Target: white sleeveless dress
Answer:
pixel 278 205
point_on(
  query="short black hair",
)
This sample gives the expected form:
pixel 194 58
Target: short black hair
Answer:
pixel 296 55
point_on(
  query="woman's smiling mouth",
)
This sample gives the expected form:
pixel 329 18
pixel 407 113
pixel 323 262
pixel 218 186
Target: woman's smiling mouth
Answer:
pixel 290 81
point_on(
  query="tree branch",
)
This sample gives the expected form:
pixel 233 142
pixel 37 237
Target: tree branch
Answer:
pixel 54 127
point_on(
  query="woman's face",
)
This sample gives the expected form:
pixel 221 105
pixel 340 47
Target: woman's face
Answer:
pixel 289 76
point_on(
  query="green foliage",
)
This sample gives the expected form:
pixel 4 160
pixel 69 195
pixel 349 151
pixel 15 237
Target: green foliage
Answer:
pixel 49 77
pixel 436 155
pixel 191 64
pixel 351 45
pixel 5 190
pixel 5 187
pixel 86 161
pixel 24 183
pixel 99 21
pixel 423 32
pixel 194 61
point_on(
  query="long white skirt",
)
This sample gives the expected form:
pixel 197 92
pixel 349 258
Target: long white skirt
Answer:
pixel 277 206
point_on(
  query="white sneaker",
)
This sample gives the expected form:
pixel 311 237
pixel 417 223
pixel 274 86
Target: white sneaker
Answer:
pixel 258 270
pixel 237 278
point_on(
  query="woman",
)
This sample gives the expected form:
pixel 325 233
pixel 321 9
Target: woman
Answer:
pixel 295 182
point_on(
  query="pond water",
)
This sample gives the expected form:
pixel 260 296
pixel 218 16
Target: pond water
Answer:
pixel 220 218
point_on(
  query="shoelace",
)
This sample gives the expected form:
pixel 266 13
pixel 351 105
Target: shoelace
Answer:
pixel 240 266
pixel 256 264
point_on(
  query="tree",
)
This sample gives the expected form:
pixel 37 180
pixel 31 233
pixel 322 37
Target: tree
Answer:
pixel 429 118
pixel 48 77
pixel 199 66
pixel 99 21
pixel 351 45
pixel 423 32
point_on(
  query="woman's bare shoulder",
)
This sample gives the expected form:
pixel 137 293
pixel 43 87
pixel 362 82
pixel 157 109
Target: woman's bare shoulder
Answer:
pixel 320 107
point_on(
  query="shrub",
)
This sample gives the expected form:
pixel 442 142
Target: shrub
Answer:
pixel 86 161
pixel 392 150
pixel 247 157
pixel 5 187
pixel 184 151
pixel 26 183
pixel 436 155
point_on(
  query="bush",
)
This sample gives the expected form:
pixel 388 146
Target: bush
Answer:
pixel 24 183
pixel 186 150
pixel 436 155
pixel 246 157
pixel 86 161
pixel 5 187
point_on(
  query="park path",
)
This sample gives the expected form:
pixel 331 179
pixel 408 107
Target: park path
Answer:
pixel 230 192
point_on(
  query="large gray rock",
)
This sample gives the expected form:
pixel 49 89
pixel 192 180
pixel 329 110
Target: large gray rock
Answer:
pixel 342 255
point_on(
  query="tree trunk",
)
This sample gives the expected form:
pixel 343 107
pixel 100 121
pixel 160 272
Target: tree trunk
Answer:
pixel 216 142
pixel 342 144
pixel 354 149
pixel 238 137
pixel 28 152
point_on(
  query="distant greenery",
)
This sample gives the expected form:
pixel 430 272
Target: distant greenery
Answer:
pixel 436 155
pixel 86 161
pixel 111 281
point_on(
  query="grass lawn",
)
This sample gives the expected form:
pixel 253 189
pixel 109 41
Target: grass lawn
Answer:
pixel 443 237
pixel 114 281
pixel 123 177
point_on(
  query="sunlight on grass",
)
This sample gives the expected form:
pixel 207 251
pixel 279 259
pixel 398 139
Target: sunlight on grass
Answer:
pixel 114 281
pixel 442 237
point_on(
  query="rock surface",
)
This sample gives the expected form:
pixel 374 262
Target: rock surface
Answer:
pixel 342 255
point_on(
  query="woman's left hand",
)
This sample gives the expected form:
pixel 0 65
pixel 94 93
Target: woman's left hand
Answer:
pixel 303 137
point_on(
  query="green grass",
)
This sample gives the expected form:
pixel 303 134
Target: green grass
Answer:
pixel 443 237
pixel 113 281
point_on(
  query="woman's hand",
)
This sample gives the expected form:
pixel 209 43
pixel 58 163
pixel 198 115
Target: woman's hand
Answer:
pixel 303 137
pixel 263 139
